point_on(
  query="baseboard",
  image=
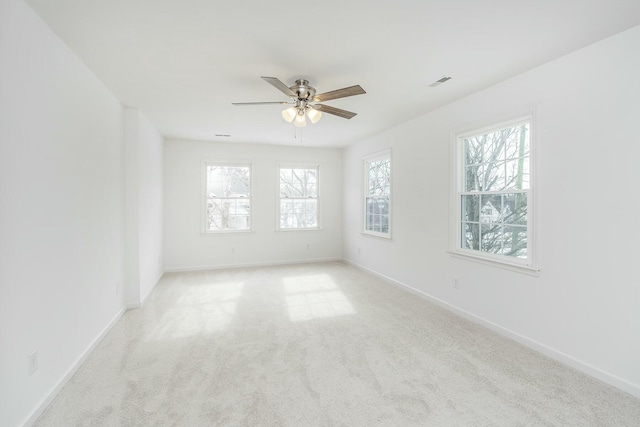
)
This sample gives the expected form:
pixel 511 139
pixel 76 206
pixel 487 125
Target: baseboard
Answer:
pixel 53 392
pixel 584 367
pixel 251 264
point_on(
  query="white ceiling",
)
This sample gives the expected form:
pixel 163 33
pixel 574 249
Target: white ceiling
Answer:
pixel 183 63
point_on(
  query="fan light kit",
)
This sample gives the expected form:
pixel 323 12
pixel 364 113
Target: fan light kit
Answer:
pixel 297 115
pixel 305 103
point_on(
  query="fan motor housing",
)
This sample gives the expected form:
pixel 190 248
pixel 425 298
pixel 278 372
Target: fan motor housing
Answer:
pixel 302 89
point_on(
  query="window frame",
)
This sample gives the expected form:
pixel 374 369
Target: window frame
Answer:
pixel 380 155
pixel 317 198
pixel 203 196
pixel 526 265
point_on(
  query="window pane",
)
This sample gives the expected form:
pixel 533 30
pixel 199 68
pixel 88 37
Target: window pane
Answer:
pixel 517 174
pixel 473 178
pixel 214 181
pixel 286 213
pixel 240 220
pixel 473 150
pixel 470 236
pixel 491 236
pixel 298 182
pixel 299 213
pixel 384 223
pixel 285 182
pixel 312 190
pixel 518 143
pixel 526 178
pixel 373 223
pixel 383 205
pixel 493 178
pixel 372 214
pixel 378 205
pixel 228 195
pixel 491 209
pixel 470 208
pixel 371 206
pixel 515 241
pixel 512 146
pixel 379 177
pixel 311 182
pixel 377 217
pixel 239 181
pixel 377 223
pixel 214 215
pixel 228 214
pixel 311 213
pixel 228 181
pixel 493 149
pixel 369 222
pixel 515 208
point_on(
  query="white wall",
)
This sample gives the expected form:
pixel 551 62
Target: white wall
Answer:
pixel 61 210
pixel 144 265
pixel 584 307
pixel 187 248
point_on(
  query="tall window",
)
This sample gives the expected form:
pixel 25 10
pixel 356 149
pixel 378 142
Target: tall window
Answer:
pixel 228 197
pixel 298 198
pixel 494 192
pixel 377 195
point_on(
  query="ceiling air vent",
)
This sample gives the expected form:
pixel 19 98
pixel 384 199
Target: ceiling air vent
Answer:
pixel 439 82
pixel 223 135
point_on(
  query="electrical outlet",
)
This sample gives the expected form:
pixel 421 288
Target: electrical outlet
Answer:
pixel 233 250
pixel 456 284
pixel 358 251
pixel 32 362
pixel 117 288
pixel 308 246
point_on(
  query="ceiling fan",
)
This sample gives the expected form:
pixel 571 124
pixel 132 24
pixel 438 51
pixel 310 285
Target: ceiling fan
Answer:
pixel 305 102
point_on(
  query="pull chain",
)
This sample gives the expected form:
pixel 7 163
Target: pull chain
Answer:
pixel 295 133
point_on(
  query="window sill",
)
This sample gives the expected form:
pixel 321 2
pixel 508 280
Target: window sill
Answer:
pixel 289 230
pixel 386 237
pixel 217 233
pixel 518 268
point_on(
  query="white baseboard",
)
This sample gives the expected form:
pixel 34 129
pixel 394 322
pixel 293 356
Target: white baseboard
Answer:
pixel 593 371
pixel 53 392
pixel 248 265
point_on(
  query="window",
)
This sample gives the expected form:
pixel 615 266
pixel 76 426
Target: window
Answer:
pixel 494 185
pixel 377 195
pixel 298 198
pixel 227 197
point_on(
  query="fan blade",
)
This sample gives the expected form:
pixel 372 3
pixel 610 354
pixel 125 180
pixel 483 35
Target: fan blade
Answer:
pixel 261 103
pixel 273 81
pixel 335 111
pixel 339 93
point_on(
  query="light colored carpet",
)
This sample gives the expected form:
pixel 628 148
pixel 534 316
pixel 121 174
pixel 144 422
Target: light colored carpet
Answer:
pixel 318 345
